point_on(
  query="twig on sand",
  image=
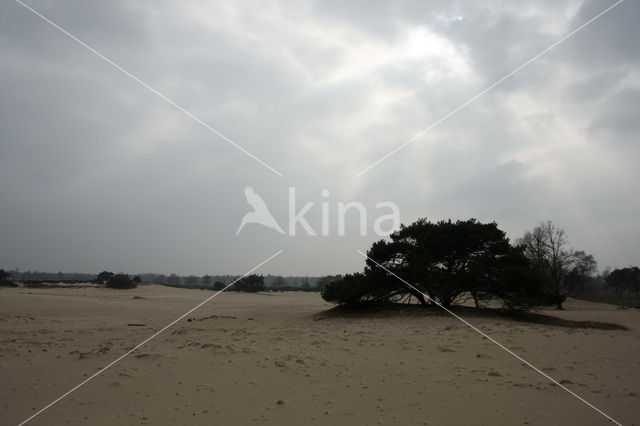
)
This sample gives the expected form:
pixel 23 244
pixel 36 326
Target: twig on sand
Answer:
pixel 210 317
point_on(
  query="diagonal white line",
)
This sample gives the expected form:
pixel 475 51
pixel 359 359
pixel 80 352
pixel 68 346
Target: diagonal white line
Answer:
pixel 102 370
pixel 474 98
pixel 133 77
pixel 482 333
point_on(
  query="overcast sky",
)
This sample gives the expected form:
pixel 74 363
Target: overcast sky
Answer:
pixel 97 172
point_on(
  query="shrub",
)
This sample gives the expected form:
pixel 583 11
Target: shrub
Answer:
pixel 350 289
pixel 121 281
pixel 251 284
pixel 103 277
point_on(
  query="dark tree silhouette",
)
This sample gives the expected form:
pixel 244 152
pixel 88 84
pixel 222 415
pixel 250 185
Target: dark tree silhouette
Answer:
pixel 173 280
pixel 583 270
pixel 219 285
pixel 251 283
pixel 121 281
pixel 278 282
pixel 355 288
pixel 4 279
pixel 191 280
pixel 444 261
pixel 546 248
pixel 137 280
pixel 103 277
pixel 323 281
pixel 623 279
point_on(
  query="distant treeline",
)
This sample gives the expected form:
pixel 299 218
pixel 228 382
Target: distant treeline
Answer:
pixel 51 277
pixel 272 282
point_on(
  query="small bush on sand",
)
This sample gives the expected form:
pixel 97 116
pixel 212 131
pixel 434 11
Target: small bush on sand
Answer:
pixel 251 284
pixel 121 281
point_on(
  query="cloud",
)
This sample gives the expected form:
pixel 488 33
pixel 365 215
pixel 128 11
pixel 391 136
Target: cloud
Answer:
pixel 100 173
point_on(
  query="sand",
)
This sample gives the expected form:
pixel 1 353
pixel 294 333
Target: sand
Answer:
pixel 273 359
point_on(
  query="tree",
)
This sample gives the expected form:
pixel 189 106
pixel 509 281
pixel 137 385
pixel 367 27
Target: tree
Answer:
pixel 624 279
pixel 560 257
pixel 219 285
pixel 191 280
pixel 546 248
pixel 584 267
pixel 536 249
pixel 173 280
pixel 120 281
pixel 442 261
pixel 103 277
pixel 251 284
pixel 206 280
pixel 136 280
pixel 278 282
pixel 4 279
pixel 634 276
pixel 322 282
pixel 347 290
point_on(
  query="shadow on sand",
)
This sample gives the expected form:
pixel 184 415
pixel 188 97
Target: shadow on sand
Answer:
pixel 386 310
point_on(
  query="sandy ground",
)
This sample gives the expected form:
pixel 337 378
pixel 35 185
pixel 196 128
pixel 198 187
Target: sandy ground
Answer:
pixel 271 359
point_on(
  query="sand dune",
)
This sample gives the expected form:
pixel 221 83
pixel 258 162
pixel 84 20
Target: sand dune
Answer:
pixel 271 359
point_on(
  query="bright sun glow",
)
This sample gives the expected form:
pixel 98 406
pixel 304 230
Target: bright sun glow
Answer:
pixel 421 43
pixel 440 55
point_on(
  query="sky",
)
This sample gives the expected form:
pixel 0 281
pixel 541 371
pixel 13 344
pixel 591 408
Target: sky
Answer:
pixel 140 165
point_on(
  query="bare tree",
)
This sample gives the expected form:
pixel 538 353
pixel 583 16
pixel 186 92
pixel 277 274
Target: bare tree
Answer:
pixel 536 248
pixel 546 248
pixel 560 258
pixel 583 270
